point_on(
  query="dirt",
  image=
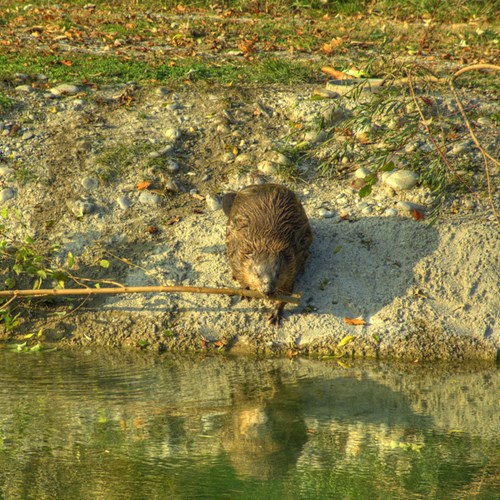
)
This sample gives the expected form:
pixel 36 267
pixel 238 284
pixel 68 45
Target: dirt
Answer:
pixel 424 290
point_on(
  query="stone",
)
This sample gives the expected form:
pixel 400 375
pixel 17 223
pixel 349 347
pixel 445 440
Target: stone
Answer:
pixel 123 202
pixel 173 166
pixel 64 89
pixel 24 88
pixel 6 171
pixel 213 202
pixel 89 183
pixel 277 157
pixel 460 148
pixel 391 212
pixel 361 173
pixel 325 213
pixel 149 198
pixel 267 167
pixel 6 194
pixel 400 179
pixel 173 133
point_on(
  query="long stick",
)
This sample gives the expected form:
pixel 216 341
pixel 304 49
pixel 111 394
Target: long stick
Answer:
pixel 292 299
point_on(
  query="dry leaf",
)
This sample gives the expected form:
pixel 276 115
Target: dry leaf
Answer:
pixel 355 321
pixel 141 186
pixel 173 221
pixel 417 214
pixel 330 47
pixel 151 230
pixel 247 47
pixel 338 75
pixel 346 340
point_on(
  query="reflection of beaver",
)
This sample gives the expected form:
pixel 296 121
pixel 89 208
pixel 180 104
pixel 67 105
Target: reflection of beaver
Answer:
pixel 268 238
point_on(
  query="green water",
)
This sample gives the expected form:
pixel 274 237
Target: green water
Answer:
pixel 117 425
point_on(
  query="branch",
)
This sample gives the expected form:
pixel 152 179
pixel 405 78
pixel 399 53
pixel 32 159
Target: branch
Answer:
pixel 292 299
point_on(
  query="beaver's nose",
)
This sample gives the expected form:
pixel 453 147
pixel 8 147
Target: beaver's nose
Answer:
pixel 267 287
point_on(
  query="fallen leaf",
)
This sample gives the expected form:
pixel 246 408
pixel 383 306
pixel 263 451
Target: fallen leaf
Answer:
pixel 355 321
pixel 346 340
pixel 417 214
pixel 338 75
pixel 330 47
pixel 173 221
pixel 141 186
pixel 151 230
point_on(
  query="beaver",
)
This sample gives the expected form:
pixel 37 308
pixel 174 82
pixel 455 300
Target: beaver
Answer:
pixel 268 237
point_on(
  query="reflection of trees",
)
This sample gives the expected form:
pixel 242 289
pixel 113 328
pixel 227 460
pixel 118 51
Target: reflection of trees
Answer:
pixel 107 427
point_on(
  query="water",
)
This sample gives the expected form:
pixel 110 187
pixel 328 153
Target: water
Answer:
pixel 115 425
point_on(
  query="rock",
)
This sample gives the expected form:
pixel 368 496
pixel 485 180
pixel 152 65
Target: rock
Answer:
pixel 314 136
pixel 173 166
pixel 407 207
pixel 469 204
pixel 325 213
pixel 89 183
pixel 361 173
pixel 81 207
pixel 400 179
pixel 27 136
pixel 175 186
pixel 391 212
pixel 267 167
pixel 326 93
pixel 277 157
pixel 6 171
pixel 460 148
pixel 172 134
pixel 154 155
pixel 24 88
pixel 64 89
pixel 149 198
pixel 6 194
pixel 162 91
pixel 123 202
pixel 245 158
pixel 213 202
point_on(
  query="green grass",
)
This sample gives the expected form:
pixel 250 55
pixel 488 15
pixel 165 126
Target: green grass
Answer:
pixel 112 69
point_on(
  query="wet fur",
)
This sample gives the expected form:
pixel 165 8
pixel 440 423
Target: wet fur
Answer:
pixel 268 238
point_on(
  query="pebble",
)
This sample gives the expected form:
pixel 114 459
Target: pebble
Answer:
pixel 267 167
pixel 6 194
pixel 391 212
pixel 460 148
pixel 213 202
pixel 314 136
pixel 6 170
pixel 162 91
pixel 123 202
pixel 325 213
pixel 173 166
pixel 175 186
pixel 81 207
pixel 149 198
pixel 27 136
pixel 411 146
pixel 154 154
pixel 222 128
pixel 24 88
pixel 367 210
pixel 277 157
pixel 361 173
pixel 407 207
pixel 64 89
pixel 172 134
pixel 89 183
pixel 341 200
pixel 400 179
pixel 245 158
pixel 469 204
pixel 484 121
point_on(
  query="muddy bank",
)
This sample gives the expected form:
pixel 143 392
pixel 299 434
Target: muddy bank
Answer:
pixel 73 163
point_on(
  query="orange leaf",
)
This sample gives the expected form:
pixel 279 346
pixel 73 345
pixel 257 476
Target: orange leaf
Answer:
pixel 355 321
pixel 330 47
pixel 141 186
pixel 417 214
pixel 338 75
pixel 66 63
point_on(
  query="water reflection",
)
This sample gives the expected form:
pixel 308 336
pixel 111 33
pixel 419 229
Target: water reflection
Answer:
pixel 116 425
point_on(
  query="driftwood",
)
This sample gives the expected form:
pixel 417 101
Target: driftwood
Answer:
pixel 292 299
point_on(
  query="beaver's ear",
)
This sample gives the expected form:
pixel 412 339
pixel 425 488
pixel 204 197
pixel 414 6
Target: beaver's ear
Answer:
pixel 227 202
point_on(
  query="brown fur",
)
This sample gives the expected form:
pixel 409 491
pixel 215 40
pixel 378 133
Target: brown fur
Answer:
pixel 268 238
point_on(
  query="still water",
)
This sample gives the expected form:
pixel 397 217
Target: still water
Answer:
pixel 113 425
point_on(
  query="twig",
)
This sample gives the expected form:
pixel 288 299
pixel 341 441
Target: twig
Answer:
pixel 292 299
pixel 485 154
pixel 438 149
